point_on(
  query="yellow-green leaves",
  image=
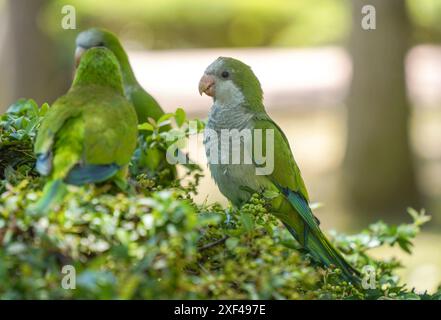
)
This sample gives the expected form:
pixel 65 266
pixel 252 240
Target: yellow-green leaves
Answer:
pixel 180 117
pixel 146 127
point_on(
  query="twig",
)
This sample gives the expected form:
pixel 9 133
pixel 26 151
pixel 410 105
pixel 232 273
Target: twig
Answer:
pixel 213 244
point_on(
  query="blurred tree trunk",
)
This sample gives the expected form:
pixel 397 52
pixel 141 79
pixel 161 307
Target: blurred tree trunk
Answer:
pixel 5 57
pixel 379 172
pixel 31 57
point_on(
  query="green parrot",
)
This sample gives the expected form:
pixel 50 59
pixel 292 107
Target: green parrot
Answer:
pixel 145 105
pixel 89 134
pixel 238 106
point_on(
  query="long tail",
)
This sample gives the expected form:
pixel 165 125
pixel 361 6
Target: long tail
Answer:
pixel 53 192
pixel 313 239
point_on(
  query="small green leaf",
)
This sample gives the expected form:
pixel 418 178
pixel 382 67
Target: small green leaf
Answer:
pixel 164 123
pixel 146 127
pixel 419 218
pixel 232 243
pixel 413 213
pixel 18 107
pixel 34 108
pixel 152 121
pixel 152 158
pixel 180 117
pixel 248 221
pixel 43 109
pixel 165 117
pixel 270 194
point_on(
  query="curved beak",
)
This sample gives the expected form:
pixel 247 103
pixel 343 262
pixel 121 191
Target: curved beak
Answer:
pixel 78 54
pixel 206 85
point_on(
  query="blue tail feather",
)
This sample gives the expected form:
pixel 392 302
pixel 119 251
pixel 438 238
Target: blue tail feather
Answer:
pixel 44 163
pixel 314 240
pixel 91 173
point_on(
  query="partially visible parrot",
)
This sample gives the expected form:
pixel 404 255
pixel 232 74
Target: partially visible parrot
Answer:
pixel 238 104
pixel 154 159
pixel 89 134
pixel 145 105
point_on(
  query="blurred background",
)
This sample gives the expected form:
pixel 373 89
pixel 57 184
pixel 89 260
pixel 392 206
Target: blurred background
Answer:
pixel 361 108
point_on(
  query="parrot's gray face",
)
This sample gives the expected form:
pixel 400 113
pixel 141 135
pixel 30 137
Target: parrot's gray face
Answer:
pixel 218 82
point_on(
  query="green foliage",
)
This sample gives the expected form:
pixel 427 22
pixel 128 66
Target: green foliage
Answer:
pixel 228 23
pixel 162 245
pixel 17 131
pixel 156 138
pixel 425 15
pixel 380 233
pixel 156 243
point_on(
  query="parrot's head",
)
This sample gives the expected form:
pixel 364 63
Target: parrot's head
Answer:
pixel 99 66
pixel 229 81
pixel 96 37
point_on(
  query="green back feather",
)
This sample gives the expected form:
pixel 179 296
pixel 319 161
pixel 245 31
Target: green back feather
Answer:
pixel 99 67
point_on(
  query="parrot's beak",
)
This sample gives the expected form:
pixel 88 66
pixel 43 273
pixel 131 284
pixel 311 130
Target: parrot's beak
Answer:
pixel 78 54
pixel 206 85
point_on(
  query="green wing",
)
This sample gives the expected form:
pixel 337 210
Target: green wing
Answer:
pixel 62 131
pixel 54 120
pixel 294 209
pixel 286 172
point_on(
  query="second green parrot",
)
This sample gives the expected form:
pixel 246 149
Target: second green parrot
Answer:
pixel 154 159
pixel 238 106
pixel 89 134
pixel 145 105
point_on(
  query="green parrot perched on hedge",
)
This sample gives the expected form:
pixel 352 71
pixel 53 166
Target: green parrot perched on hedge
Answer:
pixel 89 134
pixel 145 105
pixel 238 105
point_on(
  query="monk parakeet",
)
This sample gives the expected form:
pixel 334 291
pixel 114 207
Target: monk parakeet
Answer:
pixel 89 134
pixel 154 159
pixel 238 106
pixel 145 105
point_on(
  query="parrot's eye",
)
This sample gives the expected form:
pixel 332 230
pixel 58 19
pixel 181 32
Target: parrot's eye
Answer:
pixel 100 44
pixel 225 74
